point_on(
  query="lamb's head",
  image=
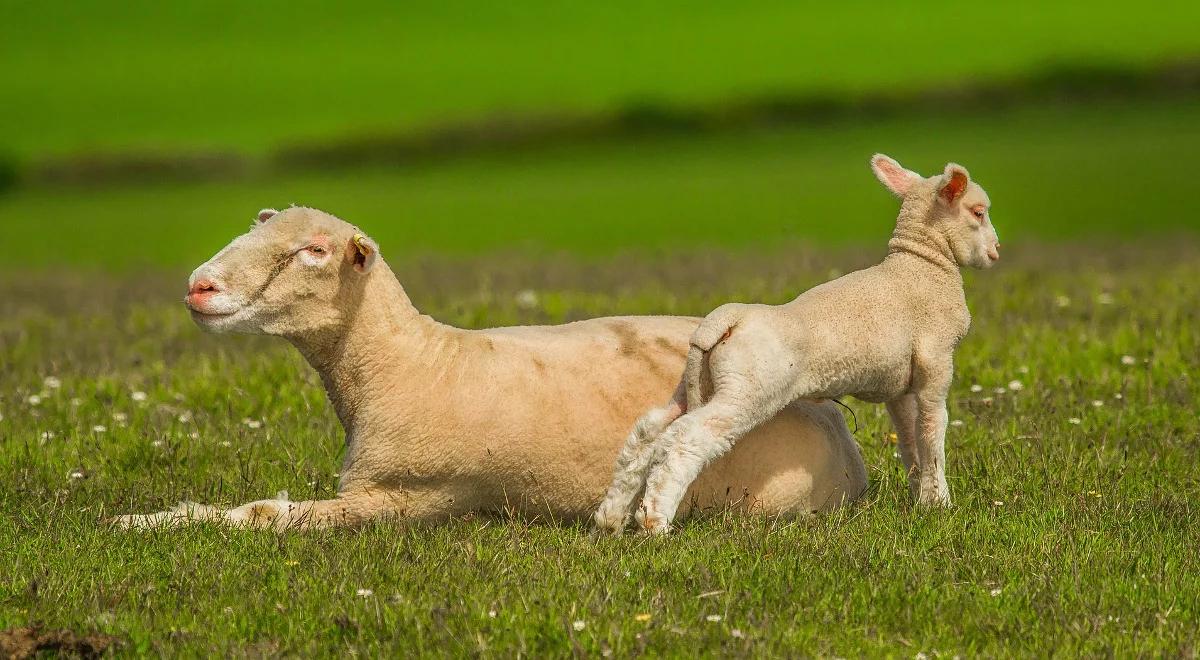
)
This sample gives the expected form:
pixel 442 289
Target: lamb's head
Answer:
pixel 949 205
pixel 295 272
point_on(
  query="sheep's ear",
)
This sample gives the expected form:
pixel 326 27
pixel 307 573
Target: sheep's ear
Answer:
pixel 894 177
pixel 956 180
pixel 362 253
pixel 264 215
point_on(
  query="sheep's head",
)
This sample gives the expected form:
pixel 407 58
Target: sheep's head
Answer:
pixel 295 272
pixel 950 204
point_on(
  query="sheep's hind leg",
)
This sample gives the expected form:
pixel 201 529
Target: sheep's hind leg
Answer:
pixel 633 462
pixel 688 445
pixel 279 513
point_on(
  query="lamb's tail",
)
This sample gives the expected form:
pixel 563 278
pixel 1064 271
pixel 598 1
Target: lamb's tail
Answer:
pixel 715 327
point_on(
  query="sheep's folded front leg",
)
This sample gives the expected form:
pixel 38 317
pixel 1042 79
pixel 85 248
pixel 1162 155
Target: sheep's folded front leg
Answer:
pixel 903 411
pixel 346 510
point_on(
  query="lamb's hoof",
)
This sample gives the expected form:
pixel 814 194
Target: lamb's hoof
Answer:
pixel 934 500
pixel 652 522
pixel 608 523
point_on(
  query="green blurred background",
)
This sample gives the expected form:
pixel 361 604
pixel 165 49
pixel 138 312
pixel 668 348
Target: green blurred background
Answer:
pixel 144 135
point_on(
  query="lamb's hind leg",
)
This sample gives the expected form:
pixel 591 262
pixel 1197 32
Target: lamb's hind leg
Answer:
pixel 634 461
pixel 692 442
pixel 279 513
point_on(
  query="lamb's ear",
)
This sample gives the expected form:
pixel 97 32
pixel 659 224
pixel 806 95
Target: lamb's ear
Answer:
pixel 264 215
pixel 894 177
pixel 955 183
pixel 362 253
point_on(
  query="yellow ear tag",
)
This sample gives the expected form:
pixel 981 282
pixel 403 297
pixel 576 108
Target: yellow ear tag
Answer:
pixel 358 239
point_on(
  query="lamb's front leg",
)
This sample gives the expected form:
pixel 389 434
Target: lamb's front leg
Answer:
pixel 931 448
pixel 903 411
pixel 629 474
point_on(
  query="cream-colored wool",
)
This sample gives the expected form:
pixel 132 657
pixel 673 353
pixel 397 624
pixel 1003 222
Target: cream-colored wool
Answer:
pixel 441 421
pixel 883 334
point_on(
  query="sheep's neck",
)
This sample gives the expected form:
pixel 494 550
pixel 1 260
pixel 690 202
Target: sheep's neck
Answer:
pixel 382 333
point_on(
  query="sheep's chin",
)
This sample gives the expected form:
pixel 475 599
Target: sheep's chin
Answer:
pixel 222 322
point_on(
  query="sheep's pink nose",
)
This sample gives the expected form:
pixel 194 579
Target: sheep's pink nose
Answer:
pixel 201 289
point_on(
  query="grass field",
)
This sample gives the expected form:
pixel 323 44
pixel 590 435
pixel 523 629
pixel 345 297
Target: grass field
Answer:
pixel 1072 457
pixel 1073 533
pixel 1060 173
pixel 247 76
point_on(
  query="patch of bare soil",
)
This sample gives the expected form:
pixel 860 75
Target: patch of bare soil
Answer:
pixel 28 641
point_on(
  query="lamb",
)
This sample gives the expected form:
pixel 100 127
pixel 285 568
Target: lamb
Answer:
pixel 883 334
pixel 441 421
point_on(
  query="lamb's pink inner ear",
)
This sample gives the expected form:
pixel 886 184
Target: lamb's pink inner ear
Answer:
pixel 266 214
pixel 955 186
pixel 894 177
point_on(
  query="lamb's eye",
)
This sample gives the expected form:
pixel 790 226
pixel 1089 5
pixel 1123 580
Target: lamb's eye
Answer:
pixel 316 249
pixel 979 213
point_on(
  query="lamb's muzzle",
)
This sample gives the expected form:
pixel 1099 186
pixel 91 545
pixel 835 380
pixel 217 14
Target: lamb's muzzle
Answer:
pixel 884 334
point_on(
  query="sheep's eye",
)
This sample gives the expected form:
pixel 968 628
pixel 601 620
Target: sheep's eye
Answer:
pixel 316 249
pixel 979 213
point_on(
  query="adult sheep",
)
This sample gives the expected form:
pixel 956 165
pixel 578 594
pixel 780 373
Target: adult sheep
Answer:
pixel 442 421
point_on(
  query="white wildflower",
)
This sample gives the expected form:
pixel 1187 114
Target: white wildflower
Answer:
pixel 737 633
pixel 34 399
pixel 157 443
pixel 76 474
pixel 47 435
pixel 226 443
pixel 1001 390
pixel 579 625
pixel 1118 396
pixel 252 423
pixel 99 428
pixel 977 387
pixel 76 401
pixel 956 422
pixel 997 503
pixel 713 618
pixel 1023 369
pixel 1074 420
pixel 1105 298
pixel 1097 403
pixel 138 396
pixel 1062 301
pixel 1128 360
pixel 491 614
pixel 194 435
pixel 52 382
pixel 987 400
pixel 995 592
pixel 120 417
pixel 184 417
pixel 526 299
pixel 1016 385
pixel 365 593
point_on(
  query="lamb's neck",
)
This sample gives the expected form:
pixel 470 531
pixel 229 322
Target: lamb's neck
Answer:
pixel 914 241
pixel 381 334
